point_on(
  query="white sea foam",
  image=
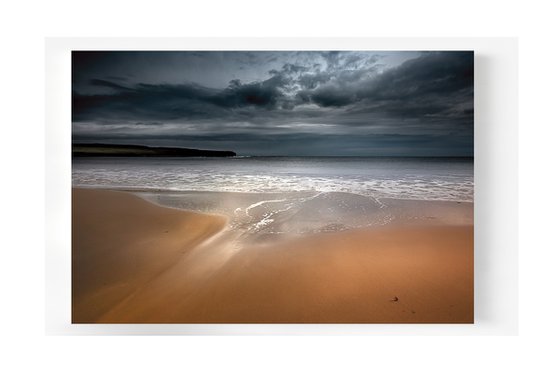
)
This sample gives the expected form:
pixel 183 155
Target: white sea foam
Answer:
pixel 260 203
pixel 422 179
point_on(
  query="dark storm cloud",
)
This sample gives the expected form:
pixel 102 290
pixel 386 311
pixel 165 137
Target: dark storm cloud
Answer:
pixel 166 101
pixel 343 100
pixel 266 94
pixel 108 84
pixel 435 82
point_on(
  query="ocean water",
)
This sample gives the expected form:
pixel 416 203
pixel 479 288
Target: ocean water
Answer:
pixel 441 179
pixel 279 196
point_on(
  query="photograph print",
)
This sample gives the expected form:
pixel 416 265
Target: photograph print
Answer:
pixel 272 187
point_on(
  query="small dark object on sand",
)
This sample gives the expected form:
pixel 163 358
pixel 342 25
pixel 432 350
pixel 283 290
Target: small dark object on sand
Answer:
pixel 395 299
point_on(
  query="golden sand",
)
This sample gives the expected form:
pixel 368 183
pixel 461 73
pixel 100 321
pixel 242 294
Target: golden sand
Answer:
pixel 135 262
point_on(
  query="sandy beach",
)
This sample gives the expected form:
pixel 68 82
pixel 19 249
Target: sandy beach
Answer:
pixel 136 262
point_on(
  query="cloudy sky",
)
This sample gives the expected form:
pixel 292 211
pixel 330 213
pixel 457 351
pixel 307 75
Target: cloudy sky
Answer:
pixel 278 103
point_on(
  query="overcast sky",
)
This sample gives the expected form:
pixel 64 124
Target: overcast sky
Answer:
pixel 278 103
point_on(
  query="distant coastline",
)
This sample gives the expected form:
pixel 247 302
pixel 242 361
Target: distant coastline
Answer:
pixel 120 150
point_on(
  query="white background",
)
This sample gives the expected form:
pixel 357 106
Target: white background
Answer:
pixel 23 29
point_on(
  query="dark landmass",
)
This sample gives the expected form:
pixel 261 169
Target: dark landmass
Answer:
pixel 116 150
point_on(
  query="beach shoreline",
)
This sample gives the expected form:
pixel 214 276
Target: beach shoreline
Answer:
pixel 137 262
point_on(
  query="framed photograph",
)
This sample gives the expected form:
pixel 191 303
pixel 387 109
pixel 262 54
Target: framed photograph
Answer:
pixel 281 186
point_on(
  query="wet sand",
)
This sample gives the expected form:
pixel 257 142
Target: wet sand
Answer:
pixel 135 262
pixel 120 243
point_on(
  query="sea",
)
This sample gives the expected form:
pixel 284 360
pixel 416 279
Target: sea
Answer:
pixel 275 195
pixel 443 179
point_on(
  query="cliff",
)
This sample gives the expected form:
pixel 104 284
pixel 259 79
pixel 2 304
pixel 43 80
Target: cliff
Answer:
pixel 115 150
